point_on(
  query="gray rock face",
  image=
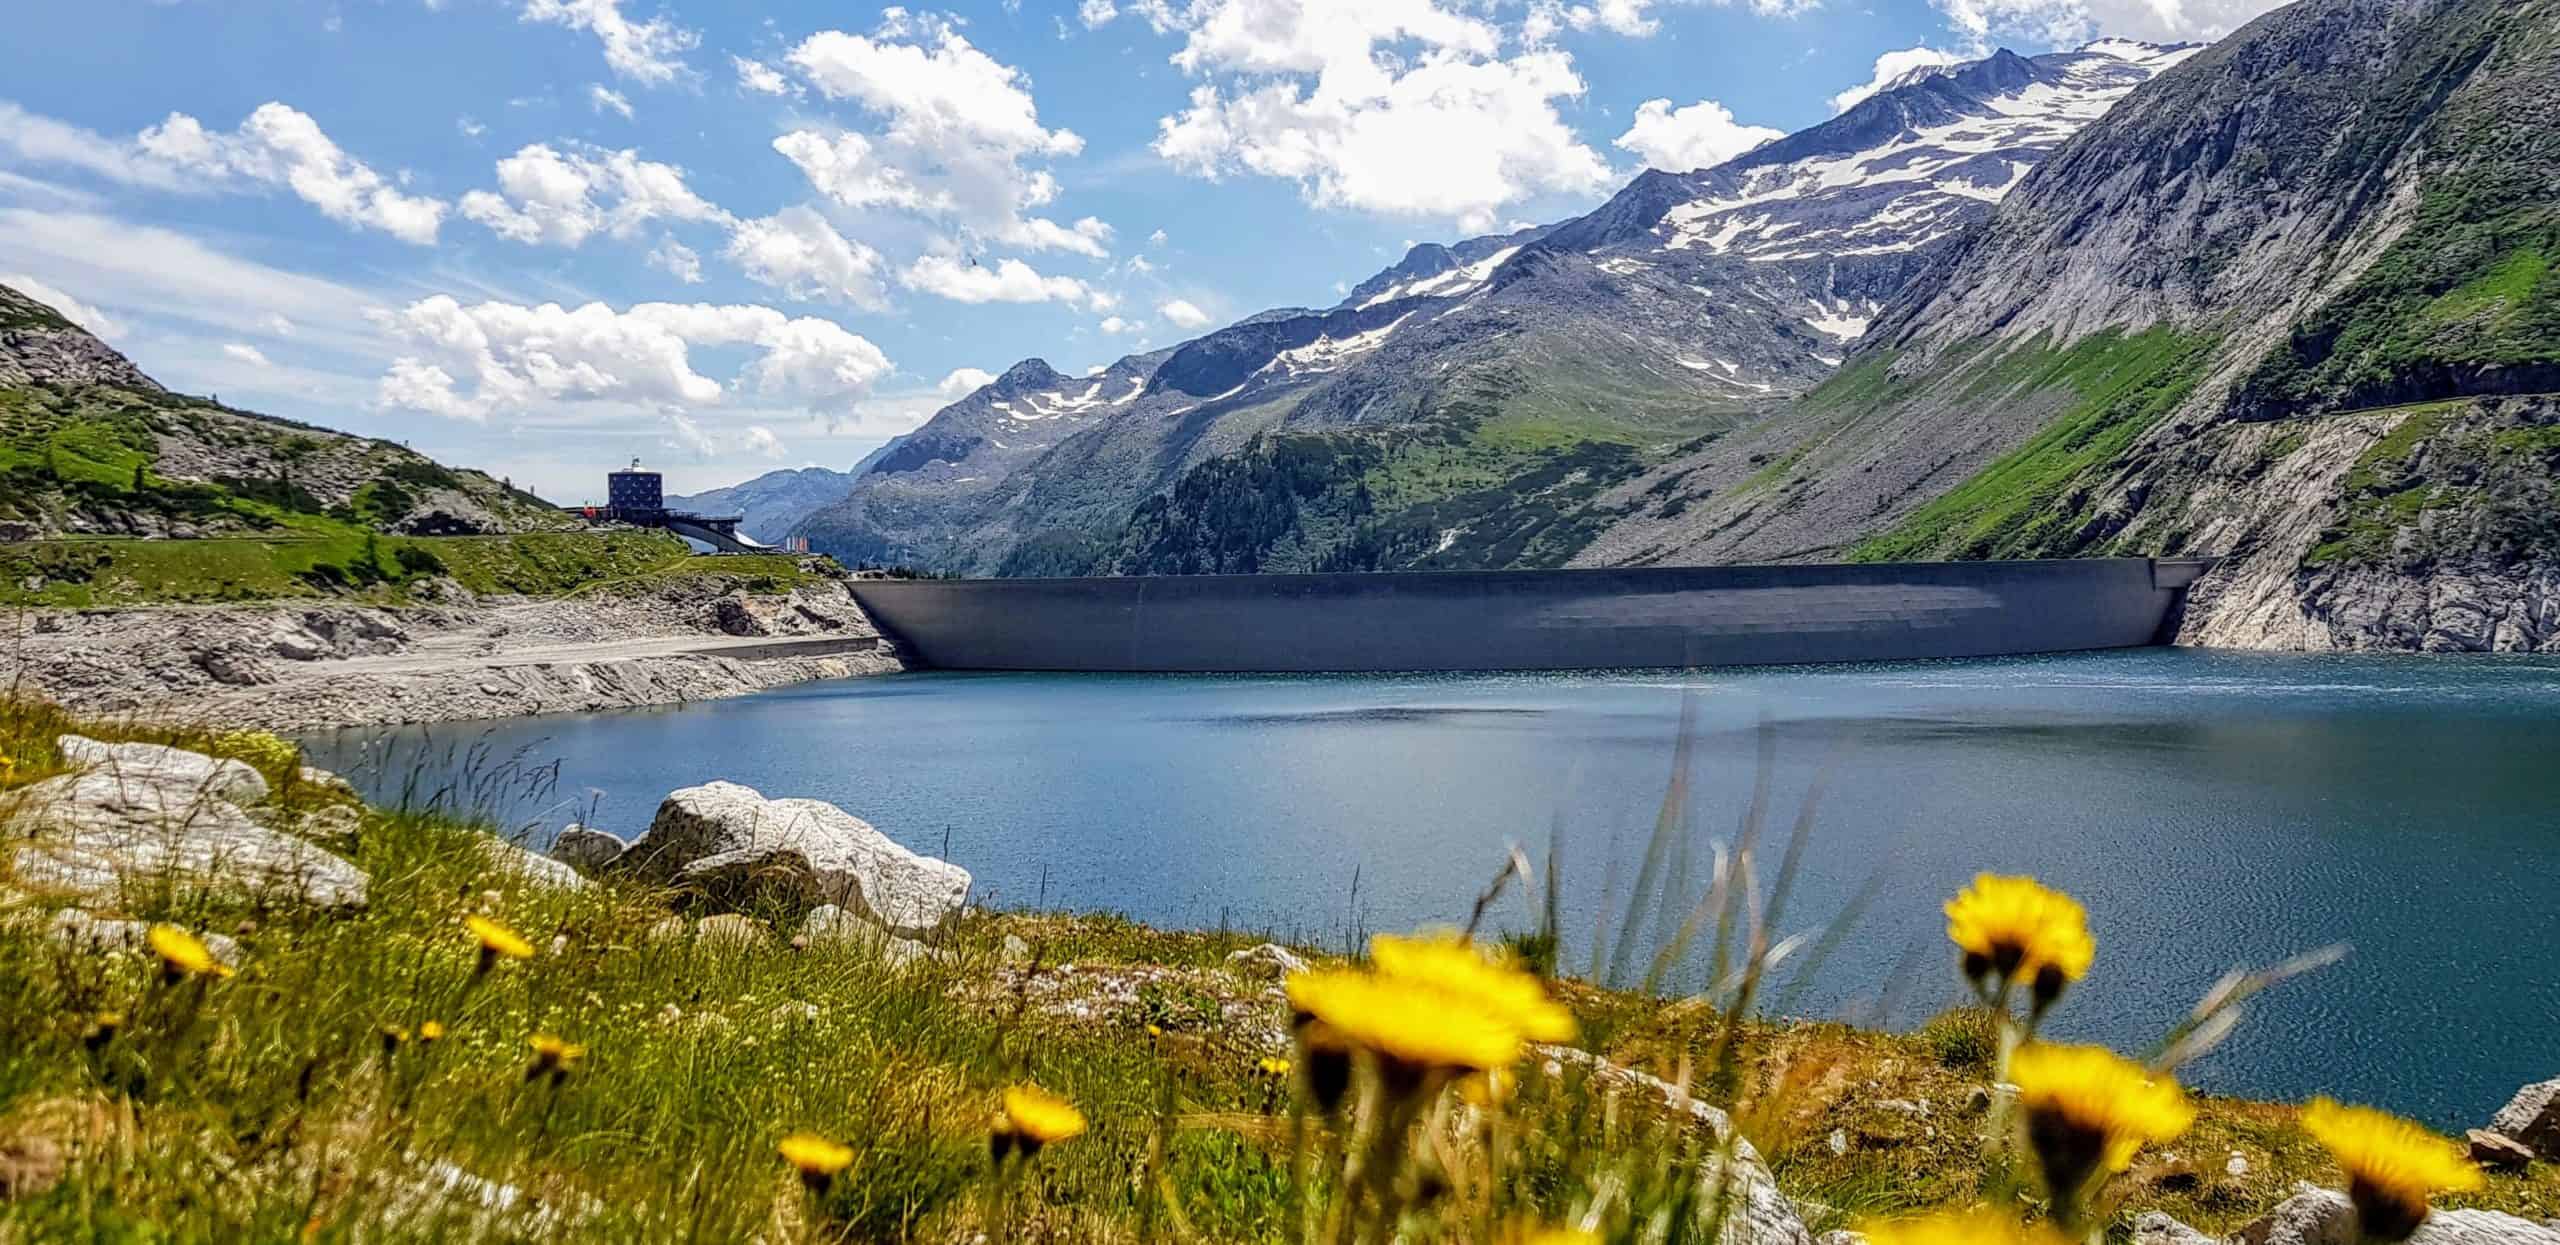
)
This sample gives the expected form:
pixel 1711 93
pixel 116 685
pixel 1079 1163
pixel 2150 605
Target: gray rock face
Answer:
pixel 161 765
pixel 2154 1228
pixel 725 836
pixel 110 838
pixel 2252 209
pixel 1268 960
pixel 587 850
pixel 2324 1217
pixel 2533 1118
pixel 525 865
pixel 770 505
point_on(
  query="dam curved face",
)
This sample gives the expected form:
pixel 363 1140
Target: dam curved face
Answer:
pixel 1531 620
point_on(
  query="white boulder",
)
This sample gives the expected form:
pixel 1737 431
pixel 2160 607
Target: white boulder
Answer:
pixel 528 866
pixel 106 835
pixel 587 849
pixel 2325 1217
pixel 730 841
pixel 162 765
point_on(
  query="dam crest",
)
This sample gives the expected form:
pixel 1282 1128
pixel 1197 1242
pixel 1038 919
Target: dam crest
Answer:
pixel 1602 618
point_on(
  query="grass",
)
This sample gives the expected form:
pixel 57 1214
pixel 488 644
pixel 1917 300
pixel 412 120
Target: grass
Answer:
pixel 345 564
pixel 270 1106
pixel 2016 506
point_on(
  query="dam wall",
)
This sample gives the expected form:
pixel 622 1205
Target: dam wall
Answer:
pixel 1531 620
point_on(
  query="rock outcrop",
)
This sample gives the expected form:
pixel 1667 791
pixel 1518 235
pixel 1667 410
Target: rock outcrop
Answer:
pixel 586 849
pixel 704 636
pixel 2325 1217
pixel 735 847
pixel 2532 1118
pixel 159 765
pixel 147 821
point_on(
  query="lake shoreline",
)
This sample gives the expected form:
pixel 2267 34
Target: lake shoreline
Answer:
pixel 300 667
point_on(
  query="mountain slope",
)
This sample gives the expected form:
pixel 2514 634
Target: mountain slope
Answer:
pixel 91 446
pixel 771 504
pixel 2290 303
pixel 1505 379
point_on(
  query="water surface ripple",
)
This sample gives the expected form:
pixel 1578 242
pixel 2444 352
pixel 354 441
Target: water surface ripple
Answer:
pixel 2214 809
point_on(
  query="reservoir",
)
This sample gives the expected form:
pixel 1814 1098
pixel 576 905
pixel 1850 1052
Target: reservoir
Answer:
pixel 2213 809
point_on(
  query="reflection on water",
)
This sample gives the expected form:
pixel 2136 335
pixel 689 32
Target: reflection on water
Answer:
pixel 2214 810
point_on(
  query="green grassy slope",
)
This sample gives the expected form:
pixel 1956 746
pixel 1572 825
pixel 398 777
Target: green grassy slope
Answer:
pixel 1505 471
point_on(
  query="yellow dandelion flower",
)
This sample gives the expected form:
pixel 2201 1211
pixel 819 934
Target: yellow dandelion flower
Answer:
pixel 1272 1066
pixel 1406 1022
pixel 431 1031
pixel 496 941
pixel 1448 962
pixel 185 955
pixel 1979 1226
pixel 554 1056
pixel 1487 1089
pixel 2088 1110
pixel 817 1159
pixel 2019 928
pixel 1532 1234
pixel 1037 1117
pixel 2393 1165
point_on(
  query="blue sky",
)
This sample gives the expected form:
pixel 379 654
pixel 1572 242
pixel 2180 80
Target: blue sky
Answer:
pixel 544 236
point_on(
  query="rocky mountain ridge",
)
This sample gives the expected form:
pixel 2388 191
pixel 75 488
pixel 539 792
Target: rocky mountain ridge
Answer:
pixel 1462 378
pixel 91 446
pixel 2291 305
pixel 771 504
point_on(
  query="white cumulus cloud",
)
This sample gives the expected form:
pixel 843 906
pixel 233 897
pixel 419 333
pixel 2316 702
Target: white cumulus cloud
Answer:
pixel 1183 314
pixel 280 146
pixel 649 52
pixel 554 197
pixel 964 381
pixel 677 260
pixel 1395 107
pixel 246 353
pixel 88 317
pixel 1700 135
pixel 960 138
pixel 1005 281
pixel 1892 67
pixel 2072 21
pixel 605 99
pixel 797 251
pixel 480 359
pixel 761 78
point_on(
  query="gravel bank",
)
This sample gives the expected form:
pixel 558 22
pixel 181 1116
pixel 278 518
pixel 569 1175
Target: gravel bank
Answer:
pixel 304 666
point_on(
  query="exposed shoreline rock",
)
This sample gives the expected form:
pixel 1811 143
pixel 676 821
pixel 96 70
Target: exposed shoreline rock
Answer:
pixel 142 819
pixel 317 666
pixel 736 848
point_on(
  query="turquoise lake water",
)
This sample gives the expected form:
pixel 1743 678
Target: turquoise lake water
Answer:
pixel 2213 809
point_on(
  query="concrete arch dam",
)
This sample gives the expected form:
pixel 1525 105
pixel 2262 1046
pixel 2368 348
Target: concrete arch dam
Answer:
pixel 1533 620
